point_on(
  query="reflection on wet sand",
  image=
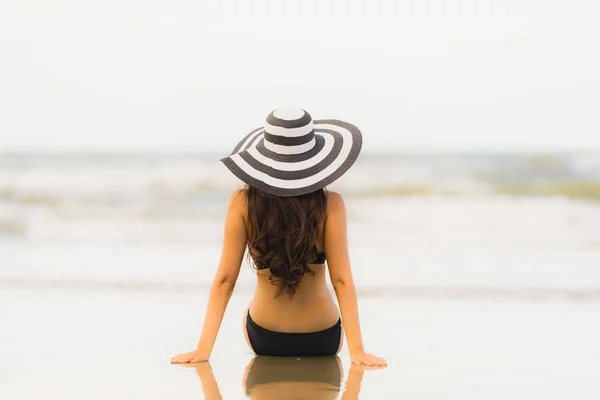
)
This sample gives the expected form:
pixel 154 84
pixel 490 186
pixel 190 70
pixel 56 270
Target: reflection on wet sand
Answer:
pixel 278 378
pixel 289 378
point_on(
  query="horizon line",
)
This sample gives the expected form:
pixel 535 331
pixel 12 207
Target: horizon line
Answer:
pixel 187 151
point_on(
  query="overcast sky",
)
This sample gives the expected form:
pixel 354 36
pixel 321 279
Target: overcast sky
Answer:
pixel 427 75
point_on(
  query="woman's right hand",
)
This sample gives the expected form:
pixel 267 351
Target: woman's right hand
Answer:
pixel 368 360
pixel 190 357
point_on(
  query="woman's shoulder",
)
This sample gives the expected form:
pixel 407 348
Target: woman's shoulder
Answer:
pixel 335 202
pixel 237 202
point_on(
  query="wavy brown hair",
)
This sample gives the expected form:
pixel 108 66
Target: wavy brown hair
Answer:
pixel 283 233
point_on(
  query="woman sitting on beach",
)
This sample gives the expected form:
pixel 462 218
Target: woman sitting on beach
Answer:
pixel 291 226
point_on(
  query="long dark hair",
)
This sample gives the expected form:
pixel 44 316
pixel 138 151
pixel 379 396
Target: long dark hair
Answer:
pixel 282 234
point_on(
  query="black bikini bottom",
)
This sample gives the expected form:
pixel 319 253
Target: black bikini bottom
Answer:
pixel 282 344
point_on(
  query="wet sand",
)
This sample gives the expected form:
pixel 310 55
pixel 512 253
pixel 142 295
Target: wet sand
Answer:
pixel 74 344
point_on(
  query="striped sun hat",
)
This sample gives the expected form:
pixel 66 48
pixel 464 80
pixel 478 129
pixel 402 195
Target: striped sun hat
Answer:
pixel 293 155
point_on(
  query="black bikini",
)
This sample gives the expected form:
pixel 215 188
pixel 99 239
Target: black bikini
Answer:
pixel 265 342
pixel 321 258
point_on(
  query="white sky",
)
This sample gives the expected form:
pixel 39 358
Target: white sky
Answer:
pixel 427 75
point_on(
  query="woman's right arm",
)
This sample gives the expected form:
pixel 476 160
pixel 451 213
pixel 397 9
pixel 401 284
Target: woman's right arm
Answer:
pixel 234 245
pixel 340 273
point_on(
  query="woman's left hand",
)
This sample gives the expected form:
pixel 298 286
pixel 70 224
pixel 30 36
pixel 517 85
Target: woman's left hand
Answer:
pixel 190 357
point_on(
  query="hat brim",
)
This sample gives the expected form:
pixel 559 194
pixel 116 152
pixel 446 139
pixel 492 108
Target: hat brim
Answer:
pixel 337 147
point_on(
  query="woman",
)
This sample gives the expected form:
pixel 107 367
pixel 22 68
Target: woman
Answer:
pixel 291 226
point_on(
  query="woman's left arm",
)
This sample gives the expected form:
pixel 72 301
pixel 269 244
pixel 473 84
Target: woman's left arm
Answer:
pixel 234 245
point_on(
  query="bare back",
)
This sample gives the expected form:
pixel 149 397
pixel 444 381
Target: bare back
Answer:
pixel 312 308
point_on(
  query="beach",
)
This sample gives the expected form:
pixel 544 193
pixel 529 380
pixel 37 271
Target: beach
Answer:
pixel 72 344
pixel 463 137
pixel 467 289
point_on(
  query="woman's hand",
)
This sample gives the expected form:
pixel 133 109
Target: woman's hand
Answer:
pixel 369 360
pixel 190 357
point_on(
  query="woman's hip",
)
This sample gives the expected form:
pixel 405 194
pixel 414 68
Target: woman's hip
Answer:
pixel 267 342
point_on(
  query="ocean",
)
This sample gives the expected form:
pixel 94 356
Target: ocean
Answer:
pixel 478 274
pixel 483 224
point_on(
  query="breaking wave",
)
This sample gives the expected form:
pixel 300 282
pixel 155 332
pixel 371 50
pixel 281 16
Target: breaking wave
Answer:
pixel 88 191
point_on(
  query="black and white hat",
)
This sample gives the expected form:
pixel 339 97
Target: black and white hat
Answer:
pixel 294 155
